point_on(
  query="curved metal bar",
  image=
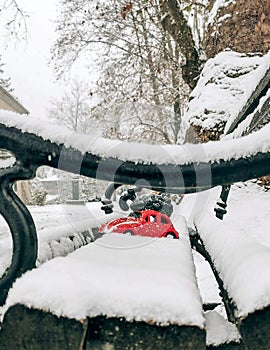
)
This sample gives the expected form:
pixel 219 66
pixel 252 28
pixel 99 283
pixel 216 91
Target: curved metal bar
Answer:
pixel 21 225
pixel 182 178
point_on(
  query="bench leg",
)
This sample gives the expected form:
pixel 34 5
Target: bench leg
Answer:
pixel 22 228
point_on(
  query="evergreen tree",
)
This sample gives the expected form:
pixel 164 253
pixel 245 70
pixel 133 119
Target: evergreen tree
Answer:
pixel 4 82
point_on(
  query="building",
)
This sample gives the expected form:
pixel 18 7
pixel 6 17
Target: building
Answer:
pixel 10 103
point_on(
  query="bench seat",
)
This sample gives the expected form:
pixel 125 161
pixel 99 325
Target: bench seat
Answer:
pixel 240 249
pixel 127 289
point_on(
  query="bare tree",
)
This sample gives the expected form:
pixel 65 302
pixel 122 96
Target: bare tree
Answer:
pixel 139 64
pixel 73 109
pixel 4 82
pixel 14 19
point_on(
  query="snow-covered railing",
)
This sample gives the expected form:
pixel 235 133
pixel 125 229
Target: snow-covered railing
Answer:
pixel 176 168
pixel 170 168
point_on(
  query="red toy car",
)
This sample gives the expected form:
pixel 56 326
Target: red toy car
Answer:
pixel 143 223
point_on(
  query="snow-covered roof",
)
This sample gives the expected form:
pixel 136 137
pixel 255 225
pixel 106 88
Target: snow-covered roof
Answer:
pixel 226 84
pixel 8 102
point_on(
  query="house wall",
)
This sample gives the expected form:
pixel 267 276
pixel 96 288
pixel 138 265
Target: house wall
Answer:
pixel 9 103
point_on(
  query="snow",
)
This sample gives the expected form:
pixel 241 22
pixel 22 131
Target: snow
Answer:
pixel 218 4
pixel 143 258
pixel 137 278
pixel 221 19
pixel 55 224
pixel 239 245
pixel 242 236
pixel 143 153
pixel 6 163
pixel 114 266
pixel 207 284
pixel 219 331
pixel 246 126
pixel 225 84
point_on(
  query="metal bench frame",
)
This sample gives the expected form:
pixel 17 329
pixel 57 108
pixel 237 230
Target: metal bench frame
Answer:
pixel 31 152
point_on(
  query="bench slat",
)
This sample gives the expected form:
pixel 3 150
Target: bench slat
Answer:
pixel 135 283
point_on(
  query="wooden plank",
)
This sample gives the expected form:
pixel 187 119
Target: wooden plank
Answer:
pixel 32 329
pixel 230 346
pixel 255 330
pixel 122 334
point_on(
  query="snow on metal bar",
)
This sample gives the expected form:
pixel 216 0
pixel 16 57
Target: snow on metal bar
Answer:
pixel 139 152
pixel 185 167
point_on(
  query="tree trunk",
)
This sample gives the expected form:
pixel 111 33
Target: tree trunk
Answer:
pixel 174 22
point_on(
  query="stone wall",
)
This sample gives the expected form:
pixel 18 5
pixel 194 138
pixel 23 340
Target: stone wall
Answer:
pixel 245 28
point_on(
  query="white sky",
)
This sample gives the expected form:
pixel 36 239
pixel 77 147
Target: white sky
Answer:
pixel 27 63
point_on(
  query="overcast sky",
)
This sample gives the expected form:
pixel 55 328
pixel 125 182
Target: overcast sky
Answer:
pixel 27 64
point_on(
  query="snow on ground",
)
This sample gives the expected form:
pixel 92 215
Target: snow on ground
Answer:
pixel 55 223
pixel 144 153
pixel 138 278
pixel 240 244
pixel 6 163
pixel 206 281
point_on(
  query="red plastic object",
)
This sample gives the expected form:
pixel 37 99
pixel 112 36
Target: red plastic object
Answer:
pixel 149 223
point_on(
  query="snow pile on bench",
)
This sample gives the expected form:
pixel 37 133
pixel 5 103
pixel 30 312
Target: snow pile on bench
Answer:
pixel 64 239
pixel 137 278
pixel 239 246
pixel 219 331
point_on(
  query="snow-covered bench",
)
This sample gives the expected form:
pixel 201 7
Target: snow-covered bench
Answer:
pixel 125 290
pixel 174 169
pixel 60 239
pixel 239 247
